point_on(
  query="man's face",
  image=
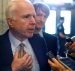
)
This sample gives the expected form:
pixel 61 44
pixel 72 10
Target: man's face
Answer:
pixel 24 24
pixel 40 20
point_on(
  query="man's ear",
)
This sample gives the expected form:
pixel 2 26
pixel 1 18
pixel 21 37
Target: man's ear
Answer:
pixel 10 22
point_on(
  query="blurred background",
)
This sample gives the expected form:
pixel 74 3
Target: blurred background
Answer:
pixel 64 8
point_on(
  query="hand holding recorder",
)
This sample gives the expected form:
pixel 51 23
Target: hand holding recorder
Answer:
pixel 56 64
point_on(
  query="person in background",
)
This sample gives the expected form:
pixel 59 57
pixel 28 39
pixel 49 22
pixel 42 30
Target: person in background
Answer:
pixel 20 16
pixel 61 37
pixel 42 12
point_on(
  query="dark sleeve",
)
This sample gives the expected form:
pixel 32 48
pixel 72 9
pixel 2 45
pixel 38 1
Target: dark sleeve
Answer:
pixel 7 68
pixel 3 66
pixel 54 47
pixel 51 42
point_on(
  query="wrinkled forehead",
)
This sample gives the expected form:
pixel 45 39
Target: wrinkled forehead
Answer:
pixel 18 5
pixel 24 5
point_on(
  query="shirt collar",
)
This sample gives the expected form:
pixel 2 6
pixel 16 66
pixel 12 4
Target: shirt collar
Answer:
pixel 41 33
pixel 13 40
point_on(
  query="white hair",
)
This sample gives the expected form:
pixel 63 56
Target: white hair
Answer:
pixel 11 8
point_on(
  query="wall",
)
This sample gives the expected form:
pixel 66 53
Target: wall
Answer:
pixel 3 25
pixel 73 23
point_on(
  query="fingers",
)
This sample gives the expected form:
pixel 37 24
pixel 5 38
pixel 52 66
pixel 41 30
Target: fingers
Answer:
pixel 30 67
pixel 50 62
pixel 55 63
pixel 22 63
pixel 55 60
pixel 28 59
pixel 25 57
pixel 28 62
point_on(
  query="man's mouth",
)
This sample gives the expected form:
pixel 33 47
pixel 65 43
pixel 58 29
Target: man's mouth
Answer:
pixel 31 30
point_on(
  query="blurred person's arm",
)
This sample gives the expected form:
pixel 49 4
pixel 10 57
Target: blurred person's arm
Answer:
pixel 61 35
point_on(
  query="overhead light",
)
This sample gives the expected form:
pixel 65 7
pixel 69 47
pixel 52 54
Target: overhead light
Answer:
pixel 58 1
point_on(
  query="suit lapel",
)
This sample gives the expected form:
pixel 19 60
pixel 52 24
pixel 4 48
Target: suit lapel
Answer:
pixel 39 50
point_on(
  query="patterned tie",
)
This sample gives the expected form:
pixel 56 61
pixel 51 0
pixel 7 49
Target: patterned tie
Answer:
pixel 21 50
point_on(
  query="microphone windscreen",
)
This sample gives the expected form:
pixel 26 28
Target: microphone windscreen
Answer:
pixel 73 38
pixel 68 39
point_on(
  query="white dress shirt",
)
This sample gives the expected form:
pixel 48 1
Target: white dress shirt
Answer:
pixel 14 45
pixel 41 33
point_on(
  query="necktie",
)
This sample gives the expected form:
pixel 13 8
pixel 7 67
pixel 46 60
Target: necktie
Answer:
pixel 21 50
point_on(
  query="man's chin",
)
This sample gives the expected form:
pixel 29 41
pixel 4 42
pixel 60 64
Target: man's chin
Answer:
pixel 36 32
pixel 30 35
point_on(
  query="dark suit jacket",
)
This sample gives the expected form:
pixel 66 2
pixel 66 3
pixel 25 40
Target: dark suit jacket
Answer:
pixel 51 43
pixel 6 56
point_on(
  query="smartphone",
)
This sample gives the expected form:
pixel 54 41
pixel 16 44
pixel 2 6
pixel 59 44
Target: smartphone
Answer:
pixel 50 55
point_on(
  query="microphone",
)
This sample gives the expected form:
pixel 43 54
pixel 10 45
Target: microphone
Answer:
pixel 70 39
pixel 73 38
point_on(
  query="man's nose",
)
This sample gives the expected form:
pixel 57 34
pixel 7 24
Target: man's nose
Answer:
pixel 32 20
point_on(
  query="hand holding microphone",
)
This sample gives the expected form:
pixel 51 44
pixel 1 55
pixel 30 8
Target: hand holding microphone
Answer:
pixel 56 64
pixel 70 43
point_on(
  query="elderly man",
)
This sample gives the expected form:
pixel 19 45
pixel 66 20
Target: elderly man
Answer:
pixel 20 16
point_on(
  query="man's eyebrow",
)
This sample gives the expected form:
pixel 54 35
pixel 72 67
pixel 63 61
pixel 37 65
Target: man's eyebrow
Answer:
pixel 28 15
